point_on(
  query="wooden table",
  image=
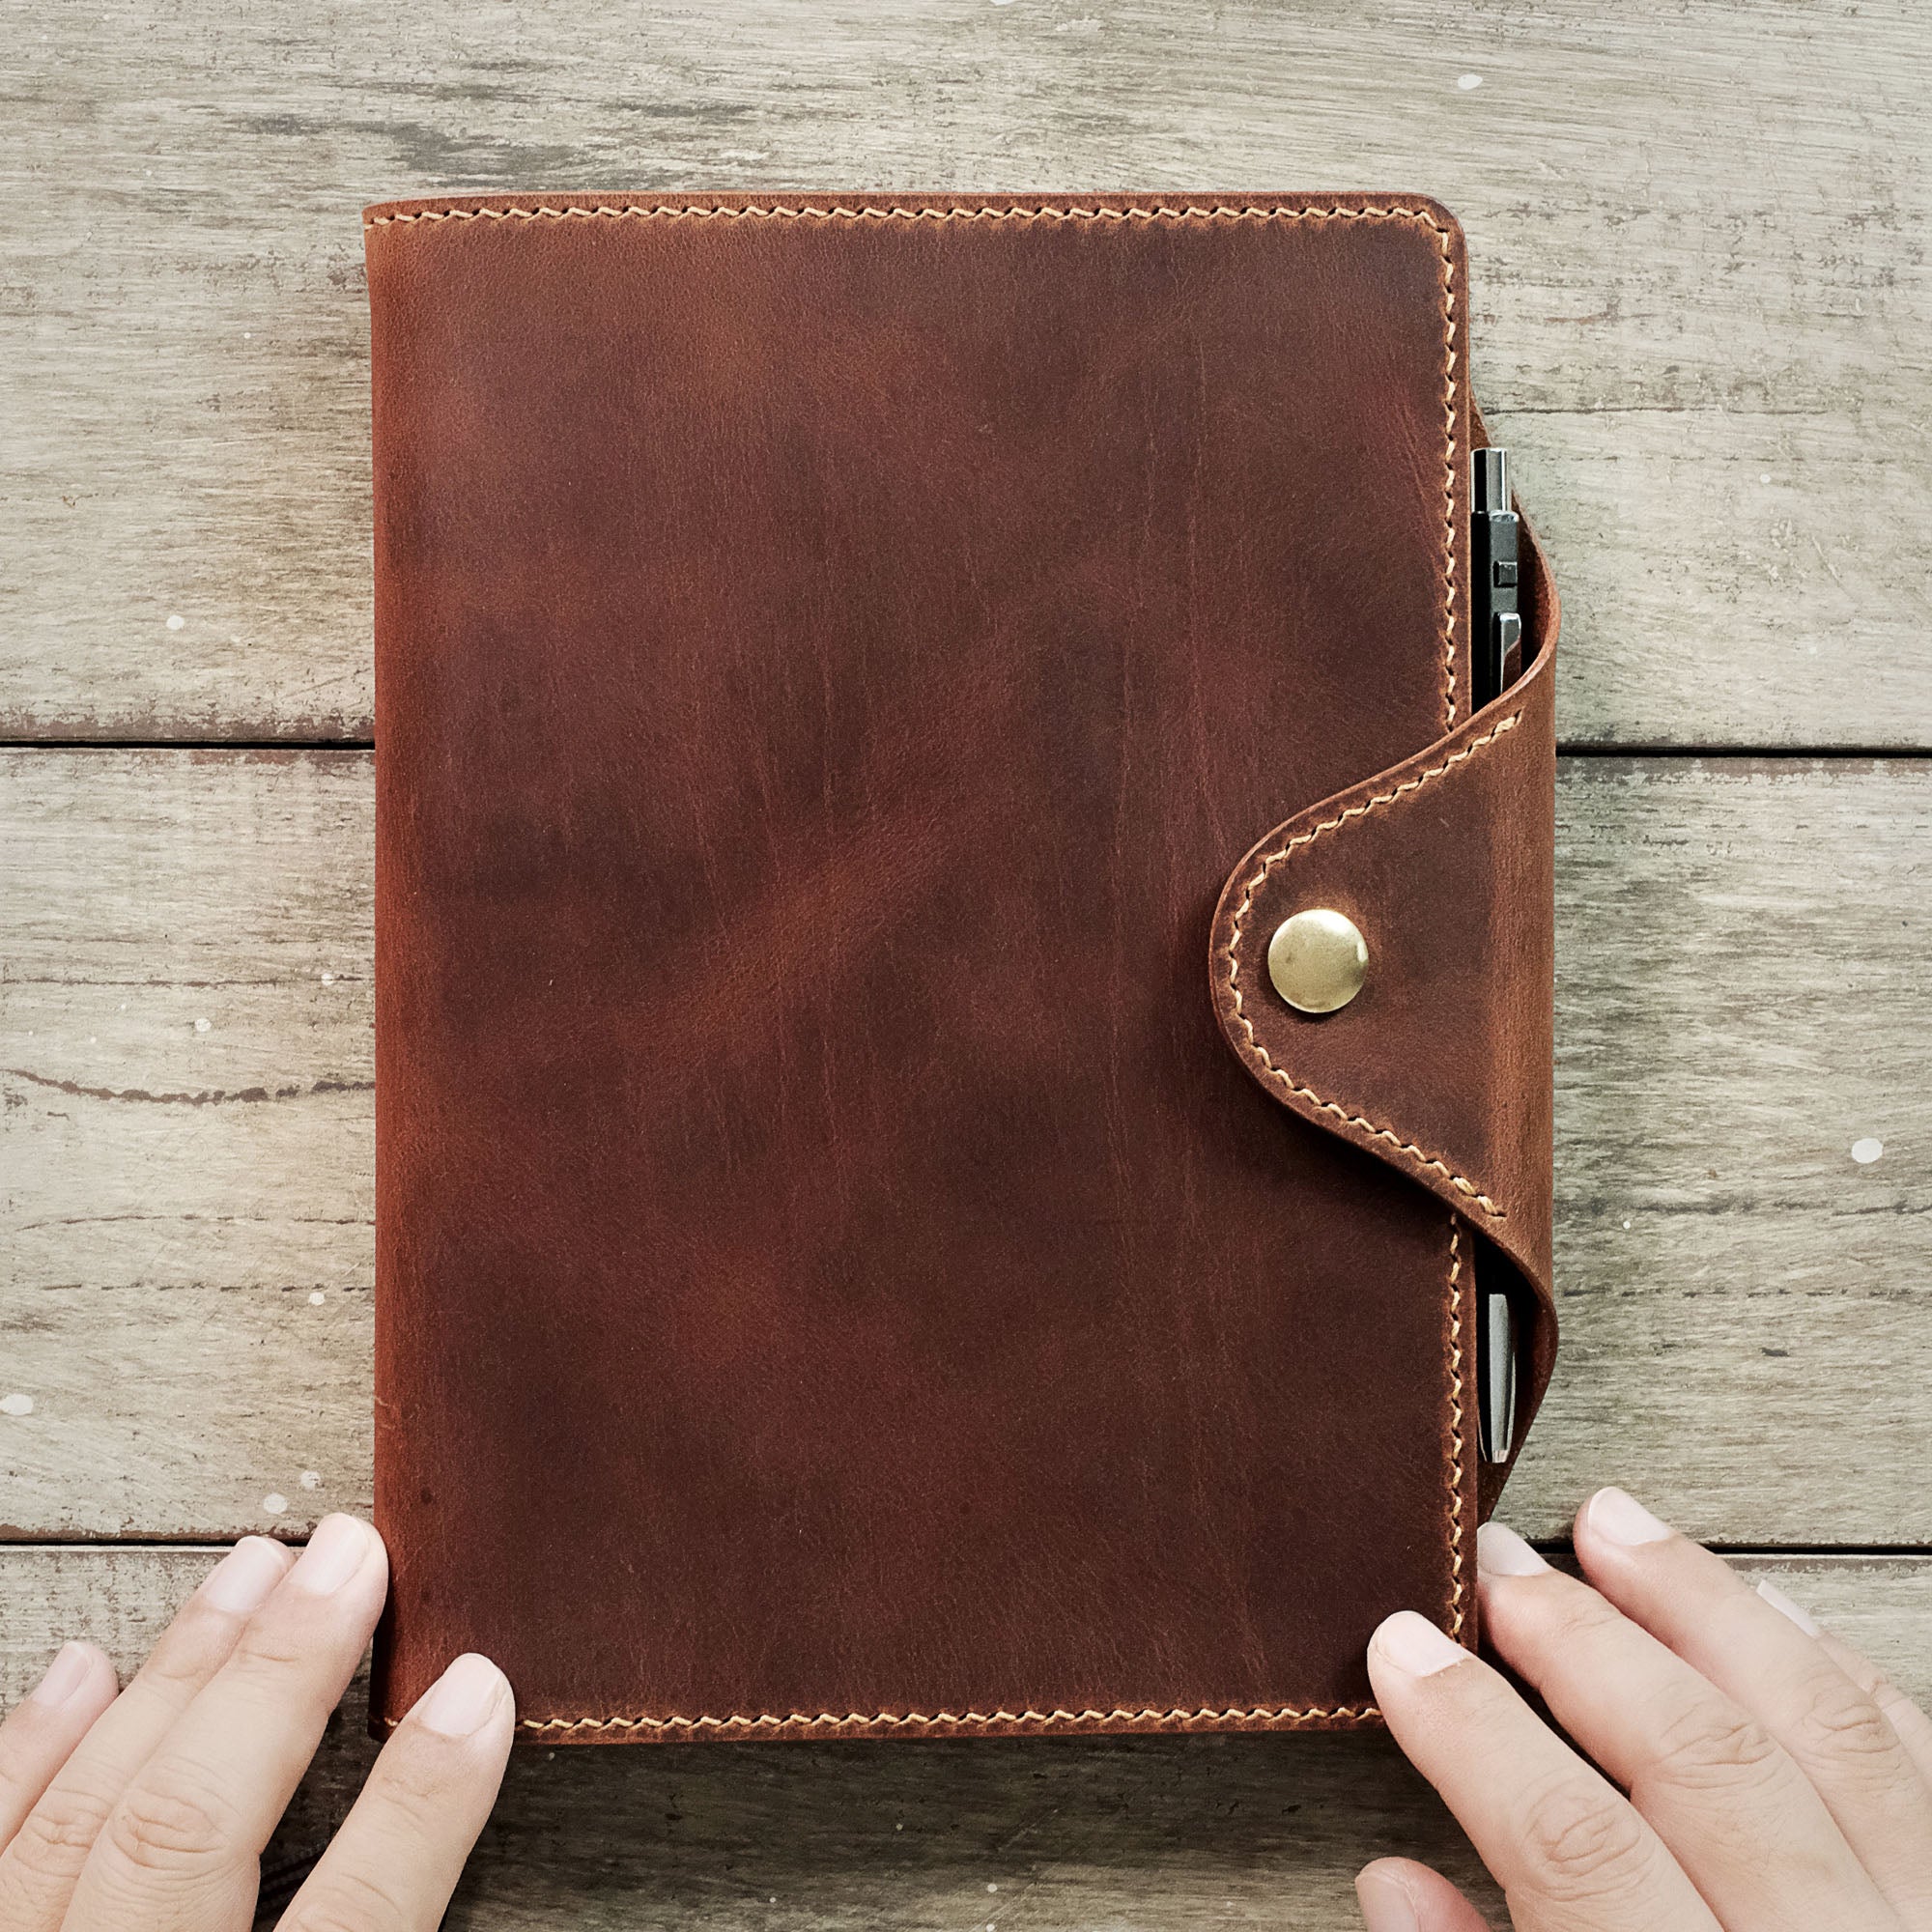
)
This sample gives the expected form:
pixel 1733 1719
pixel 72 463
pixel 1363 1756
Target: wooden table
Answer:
pixel 1698 232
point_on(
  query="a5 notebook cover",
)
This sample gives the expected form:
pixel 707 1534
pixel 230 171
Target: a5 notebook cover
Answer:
pixel 863 1248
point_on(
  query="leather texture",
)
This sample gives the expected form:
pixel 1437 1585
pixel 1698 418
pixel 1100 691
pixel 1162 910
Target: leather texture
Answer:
pixel 833 1276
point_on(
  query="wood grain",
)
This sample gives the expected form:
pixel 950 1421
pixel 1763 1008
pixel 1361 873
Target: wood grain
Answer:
pixel 1698 235
pixel 1175 1832
pixel 1741 998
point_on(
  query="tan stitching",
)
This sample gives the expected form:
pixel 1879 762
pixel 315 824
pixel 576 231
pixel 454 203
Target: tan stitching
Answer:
pixel 914 1719
pixel 1448 489
pixel 623 211
pixel 764 1721
pixel 1380 798
pixel 1460 1182
pixel 1187 212
pixel 1454 1353
pixel 823 1719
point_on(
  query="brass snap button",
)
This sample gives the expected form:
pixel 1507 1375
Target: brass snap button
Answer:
pixel 1318 961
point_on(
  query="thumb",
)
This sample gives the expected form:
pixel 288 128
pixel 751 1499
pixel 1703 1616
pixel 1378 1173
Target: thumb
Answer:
pixel 1399 1895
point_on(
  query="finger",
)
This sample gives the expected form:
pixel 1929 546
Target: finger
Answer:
pixel 1399 1895
pixel 401 1850
pixel 43 1861
pixel 1910 1726
pixel 42 1730
pixel 1832 1729
pixel 1913 1727
pixel 1741 1818
pixel 179 1849
pixel 1568 1850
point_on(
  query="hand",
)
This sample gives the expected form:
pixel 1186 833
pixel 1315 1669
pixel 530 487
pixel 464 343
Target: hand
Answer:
pixel 1777 1783
pixel 147 1812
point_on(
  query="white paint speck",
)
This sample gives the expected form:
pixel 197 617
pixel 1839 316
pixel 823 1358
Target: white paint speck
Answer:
pixel 328 978
pixel 16 1404
pixel 201 1026
pixel 1865 1151
pixel 315 1297
pixel 1468 82
pixel 273 1505
pixel 247 335
pixel 175 622
pixel 1626 1224
pixel 899 1827
pixel 1764 476
pixel 992 1887
pixel 311 1479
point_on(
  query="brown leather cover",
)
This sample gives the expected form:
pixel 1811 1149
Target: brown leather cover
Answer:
pixel 834 654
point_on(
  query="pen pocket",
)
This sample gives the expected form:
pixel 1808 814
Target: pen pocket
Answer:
pixel 1439 1061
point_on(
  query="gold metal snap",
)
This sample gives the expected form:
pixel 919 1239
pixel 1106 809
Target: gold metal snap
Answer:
pixel 1318 961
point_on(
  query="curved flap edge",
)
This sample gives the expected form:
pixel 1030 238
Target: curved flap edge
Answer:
pixel 1440 1065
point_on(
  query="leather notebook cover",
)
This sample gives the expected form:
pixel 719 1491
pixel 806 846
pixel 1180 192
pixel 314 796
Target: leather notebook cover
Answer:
pixel 863 1249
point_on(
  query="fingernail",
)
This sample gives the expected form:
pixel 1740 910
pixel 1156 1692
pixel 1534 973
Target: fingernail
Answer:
pixel 1622 1519
pixel 335 1554
pixel 1386 1905
pixel 1501 1552
pixel 1778 1600
pixel 464 1699
pixel 240 1583
pixel 64 1675
pixel 1414 1645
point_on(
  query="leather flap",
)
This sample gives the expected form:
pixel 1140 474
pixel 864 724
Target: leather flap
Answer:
pixel 1442 1065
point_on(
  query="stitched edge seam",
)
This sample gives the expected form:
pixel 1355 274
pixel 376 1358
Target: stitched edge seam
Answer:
pixel 754 211
pixel 1454 1355
pixel 1187 212
pixel 824 1719
pixel 1449 469
pixel 1215 213
pixel 1460 1182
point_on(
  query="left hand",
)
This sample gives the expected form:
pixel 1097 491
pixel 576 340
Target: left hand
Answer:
pixel 147 1810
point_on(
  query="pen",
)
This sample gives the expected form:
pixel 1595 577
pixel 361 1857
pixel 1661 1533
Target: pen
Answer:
pixel 1496 661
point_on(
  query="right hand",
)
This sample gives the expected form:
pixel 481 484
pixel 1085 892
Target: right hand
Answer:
pixel 1757 1775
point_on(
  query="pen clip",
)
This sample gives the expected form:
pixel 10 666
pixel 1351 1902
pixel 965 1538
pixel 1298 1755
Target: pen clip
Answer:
pixel 1494 567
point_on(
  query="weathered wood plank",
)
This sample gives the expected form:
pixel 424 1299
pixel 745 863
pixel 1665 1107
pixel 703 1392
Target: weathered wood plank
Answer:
pixel 1709 596
pixel 1740 1000
pixel 1148 1832
pixel 1699 238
